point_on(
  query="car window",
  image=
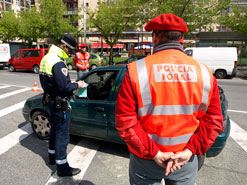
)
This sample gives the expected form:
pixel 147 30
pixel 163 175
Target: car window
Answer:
pixel 189 52
pixel 93 57
pixel 46 51
pixel 31 53
pixel 99 86
pixel 17 54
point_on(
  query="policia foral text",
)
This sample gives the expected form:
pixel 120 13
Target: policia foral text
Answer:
pixel 58 90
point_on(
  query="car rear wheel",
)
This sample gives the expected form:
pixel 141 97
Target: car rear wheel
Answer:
pixel 70 67
pixel 41 124
pixel 11 68
pixel 36 69
pixel 220 74
pixel 94 66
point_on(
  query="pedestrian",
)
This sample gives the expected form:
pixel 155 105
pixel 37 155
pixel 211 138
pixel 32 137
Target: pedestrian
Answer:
pixel 58 90
pixel 168 109
pixel 81 61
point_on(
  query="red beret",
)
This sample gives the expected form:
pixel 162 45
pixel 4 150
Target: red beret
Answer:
pixel 83 46
pixel 167 22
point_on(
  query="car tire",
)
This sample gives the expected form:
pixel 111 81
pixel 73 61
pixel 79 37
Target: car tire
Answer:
pixel 36 69
pixel 93 66
pixel 201 159
pixel 220 74
pixel 11 68
pixel 41 124
pixel 70 67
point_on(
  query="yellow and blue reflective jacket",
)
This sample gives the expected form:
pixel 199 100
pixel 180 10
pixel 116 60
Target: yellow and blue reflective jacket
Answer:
pixel 54 77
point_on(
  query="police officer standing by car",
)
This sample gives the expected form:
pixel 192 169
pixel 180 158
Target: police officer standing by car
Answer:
pixel 81 61
pixel 58 90
pixel 168 109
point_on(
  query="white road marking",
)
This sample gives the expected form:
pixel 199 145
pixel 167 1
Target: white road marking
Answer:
pixel 5 86
pixel 238 111
pixel 79 157
pixel 15 137
pixel 13 93
pixel 12 108
pixel 239 135
pixel 15 85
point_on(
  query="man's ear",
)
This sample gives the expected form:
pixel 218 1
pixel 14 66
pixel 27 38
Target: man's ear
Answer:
pixel 155 39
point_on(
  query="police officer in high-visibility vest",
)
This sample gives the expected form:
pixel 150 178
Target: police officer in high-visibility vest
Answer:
pixel 168 109
pixel 58 90
pixel 81 61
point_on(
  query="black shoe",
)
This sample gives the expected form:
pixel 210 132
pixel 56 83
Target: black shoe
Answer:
pixel 68 172
pixel 52 160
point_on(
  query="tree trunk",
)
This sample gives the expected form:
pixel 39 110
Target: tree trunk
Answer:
pixel 111 56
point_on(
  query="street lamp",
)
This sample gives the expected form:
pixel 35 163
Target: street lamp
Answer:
pixel 85 19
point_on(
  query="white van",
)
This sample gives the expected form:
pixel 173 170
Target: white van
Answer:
pixel 221 60
pixel 4 55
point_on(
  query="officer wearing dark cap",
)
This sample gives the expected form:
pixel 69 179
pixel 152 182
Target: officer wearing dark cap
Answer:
pixel 168 109
pixel 58 90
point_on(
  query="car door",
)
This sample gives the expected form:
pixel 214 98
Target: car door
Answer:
pixel 90 114
pixel 17 60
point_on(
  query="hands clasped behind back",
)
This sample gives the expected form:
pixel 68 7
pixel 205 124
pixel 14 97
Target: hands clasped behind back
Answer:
pixel 171 161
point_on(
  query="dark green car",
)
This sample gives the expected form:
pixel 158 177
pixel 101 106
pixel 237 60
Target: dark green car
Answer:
pixel 93 111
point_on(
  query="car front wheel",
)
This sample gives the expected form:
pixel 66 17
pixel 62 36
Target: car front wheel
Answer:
pixel 41 125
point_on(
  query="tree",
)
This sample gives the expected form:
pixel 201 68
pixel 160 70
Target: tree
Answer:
pixel 52 13
pixel 235 17
pixel 111 20
pixel 195 13
pixel 31 26
pixel 9 24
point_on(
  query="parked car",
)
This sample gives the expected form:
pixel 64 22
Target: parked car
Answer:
pixel 94 62
pixel 131 59
pixel 27 59
pixel 93 114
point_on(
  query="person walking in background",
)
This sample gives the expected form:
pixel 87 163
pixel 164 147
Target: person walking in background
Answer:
pixel 81 61
pixel 168 109
pixel 58 90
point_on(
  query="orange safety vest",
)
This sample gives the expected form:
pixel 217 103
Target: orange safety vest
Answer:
pixel 173 91
pixel 82 61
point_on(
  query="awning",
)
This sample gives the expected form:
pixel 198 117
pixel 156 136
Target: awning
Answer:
pixel 98 45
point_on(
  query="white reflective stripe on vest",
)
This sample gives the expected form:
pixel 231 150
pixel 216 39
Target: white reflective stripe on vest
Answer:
pixel 206 88
pixel 168 110
pixel 170 140
pixel 149 108
pixel 61 161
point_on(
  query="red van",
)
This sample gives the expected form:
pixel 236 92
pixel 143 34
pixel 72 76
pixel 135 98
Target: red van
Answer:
pixel 27 59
